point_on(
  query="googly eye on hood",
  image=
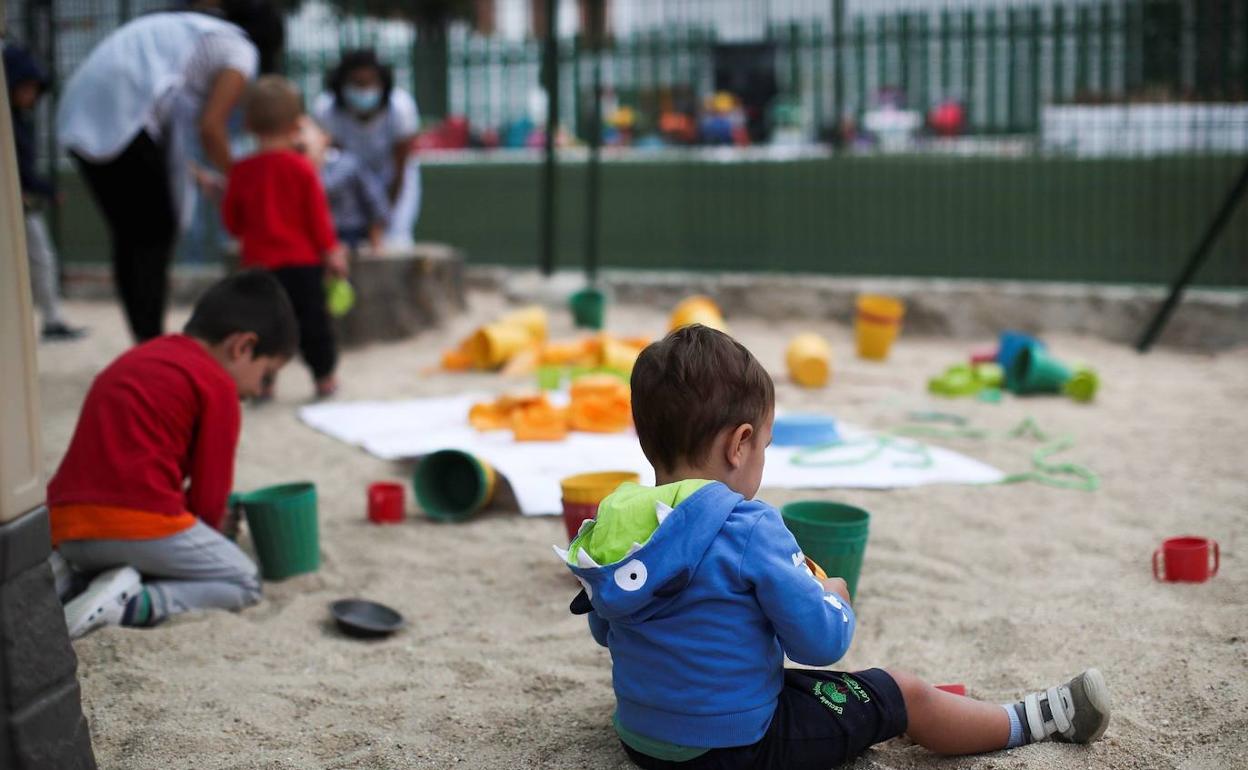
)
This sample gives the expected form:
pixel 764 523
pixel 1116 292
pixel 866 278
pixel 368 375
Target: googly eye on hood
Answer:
pixel 649 575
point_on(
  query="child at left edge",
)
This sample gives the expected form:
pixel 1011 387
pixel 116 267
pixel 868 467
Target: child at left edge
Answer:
pixel 276 206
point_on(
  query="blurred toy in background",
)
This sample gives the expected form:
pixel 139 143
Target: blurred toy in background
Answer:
pixel 678 127
pixel 786 123
pixel 893 127
pixel 620 122
pixel 947 118
pixel 723 121
pixel 698 309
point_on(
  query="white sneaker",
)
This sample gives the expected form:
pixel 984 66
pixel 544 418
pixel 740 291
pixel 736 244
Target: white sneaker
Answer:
pixel 104 601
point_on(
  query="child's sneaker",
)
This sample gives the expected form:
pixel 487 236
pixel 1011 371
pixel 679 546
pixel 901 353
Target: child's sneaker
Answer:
pixel 104 601
pixel 1075 712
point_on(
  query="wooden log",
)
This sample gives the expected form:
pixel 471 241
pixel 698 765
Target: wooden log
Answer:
pixel 401 292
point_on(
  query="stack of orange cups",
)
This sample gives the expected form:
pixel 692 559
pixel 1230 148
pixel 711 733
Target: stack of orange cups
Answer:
pixel 582 494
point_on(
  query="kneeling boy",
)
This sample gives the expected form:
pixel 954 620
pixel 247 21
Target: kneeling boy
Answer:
pixel 142 490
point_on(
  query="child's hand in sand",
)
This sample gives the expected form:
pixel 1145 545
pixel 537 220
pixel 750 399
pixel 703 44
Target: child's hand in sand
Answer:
pixel 836 585
pixel 336 262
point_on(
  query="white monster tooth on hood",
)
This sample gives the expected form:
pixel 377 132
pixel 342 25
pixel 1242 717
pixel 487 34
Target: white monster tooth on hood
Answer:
pixel 662 510
pixel 634 548
pixel 562 553
pixel 584 560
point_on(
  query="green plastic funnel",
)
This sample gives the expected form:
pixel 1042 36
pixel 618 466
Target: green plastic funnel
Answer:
pixel 1035 371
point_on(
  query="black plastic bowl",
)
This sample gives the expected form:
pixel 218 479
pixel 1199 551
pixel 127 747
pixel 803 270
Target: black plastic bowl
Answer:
pixel 362 618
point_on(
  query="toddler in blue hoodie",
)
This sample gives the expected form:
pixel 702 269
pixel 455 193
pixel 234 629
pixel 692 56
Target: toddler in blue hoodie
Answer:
pixel 699 591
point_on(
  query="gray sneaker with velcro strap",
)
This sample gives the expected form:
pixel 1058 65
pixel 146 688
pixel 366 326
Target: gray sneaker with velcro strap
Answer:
pixel 1075 712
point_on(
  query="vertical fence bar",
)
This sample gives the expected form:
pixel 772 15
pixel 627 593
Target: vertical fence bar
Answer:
pixel 990 72
pixel 547 212
pixel 838 71
pixel 924 54
pixel 903 55
pixel 1011 71
pixel 1058 34
pixel 1035 99
pixel 968 68
pixel 1105 46
pixel 1081 52
pixel 817 51
pixel 1131 48
pixel 946 54
pixel 860 38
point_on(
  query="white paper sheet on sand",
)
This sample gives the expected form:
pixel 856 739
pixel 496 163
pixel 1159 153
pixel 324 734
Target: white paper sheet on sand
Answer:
pixel 398 430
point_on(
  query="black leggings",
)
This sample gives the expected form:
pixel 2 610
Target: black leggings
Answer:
pixel 306 288
pixel 132 191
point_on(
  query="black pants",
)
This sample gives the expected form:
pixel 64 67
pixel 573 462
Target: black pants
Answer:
pixel 823 719
pixel 132 191
pixel 306 288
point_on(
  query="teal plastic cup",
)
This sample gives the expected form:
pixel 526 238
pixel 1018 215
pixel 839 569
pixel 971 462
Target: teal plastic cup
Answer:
pixel 589 307
pixel 833 535
pixel 283 524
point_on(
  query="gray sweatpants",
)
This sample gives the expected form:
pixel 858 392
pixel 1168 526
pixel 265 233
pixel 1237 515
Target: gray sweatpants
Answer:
pixel 44 278
pixel 198 568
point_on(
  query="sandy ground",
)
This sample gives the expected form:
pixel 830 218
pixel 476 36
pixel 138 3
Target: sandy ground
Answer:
pixel 1003 588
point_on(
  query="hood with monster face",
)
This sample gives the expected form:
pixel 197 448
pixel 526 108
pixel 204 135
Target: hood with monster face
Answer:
pixel 645 545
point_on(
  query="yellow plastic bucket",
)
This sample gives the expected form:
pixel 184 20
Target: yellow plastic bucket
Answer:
pixel 533 318
pixel 876 324
pixel 591 488
pixel 810 360
pixel 493 345
pixel 697 309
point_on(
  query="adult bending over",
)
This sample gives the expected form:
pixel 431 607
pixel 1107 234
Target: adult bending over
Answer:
pixel 131 115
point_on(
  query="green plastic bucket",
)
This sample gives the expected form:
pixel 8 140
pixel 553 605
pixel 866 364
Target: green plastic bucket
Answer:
pixel 451 485
pixel 833 535
pixel 588 308
pixel 282 520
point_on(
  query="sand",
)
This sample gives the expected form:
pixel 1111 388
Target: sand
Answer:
pixel 1002 588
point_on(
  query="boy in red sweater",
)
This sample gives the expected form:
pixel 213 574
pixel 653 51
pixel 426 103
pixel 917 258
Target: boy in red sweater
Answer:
pixel 276 207
pixel 167 412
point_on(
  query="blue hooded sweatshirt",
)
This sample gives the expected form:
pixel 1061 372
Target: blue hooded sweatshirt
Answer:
pixel 699 617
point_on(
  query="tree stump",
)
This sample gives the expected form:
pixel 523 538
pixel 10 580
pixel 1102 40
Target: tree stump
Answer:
pixel 401 292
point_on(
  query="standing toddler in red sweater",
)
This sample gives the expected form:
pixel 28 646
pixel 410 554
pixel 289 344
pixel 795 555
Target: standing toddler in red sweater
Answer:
pixel 141 493
pixel 276 207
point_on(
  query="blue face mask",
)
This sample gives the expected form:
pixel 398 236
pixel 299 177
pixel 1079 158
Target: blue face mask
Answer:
pixel 361 100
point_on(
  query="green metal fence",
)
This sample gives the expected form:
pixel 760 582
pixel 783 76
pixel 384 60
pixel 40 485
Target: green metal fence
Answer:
pixel 1069 139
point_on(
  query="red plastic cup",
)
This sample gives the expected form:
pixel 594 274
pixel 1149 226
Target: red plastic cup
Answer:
pixel 1185 559
pixel 956 689
pixel 385 502
pixel 984 356
pixel 574 514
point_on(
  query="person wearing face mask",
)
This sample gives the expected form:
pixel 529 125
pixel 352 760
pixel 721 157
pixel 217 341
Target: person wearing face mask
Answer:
pixel 375 121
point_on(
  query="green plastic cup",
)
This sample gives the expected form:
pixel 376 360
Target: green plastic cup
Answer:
pixel 451 485
pixel 588 307
pixel 833 535
pixel 283 525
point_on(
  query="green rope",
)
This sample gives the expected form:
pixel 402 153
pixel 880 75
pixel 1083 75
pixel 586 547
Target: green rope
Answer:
pixel 877 443
pixel 1062 475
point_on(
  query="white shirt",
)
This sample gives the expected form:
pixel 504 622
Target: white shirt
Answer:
pixel 146 75
pixel 372 142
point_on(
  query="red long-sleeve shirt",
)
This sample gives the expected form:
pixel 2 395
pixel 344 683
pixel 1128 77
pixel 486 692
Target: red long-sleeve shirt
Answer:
pixel 163 413
pixel 275 205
